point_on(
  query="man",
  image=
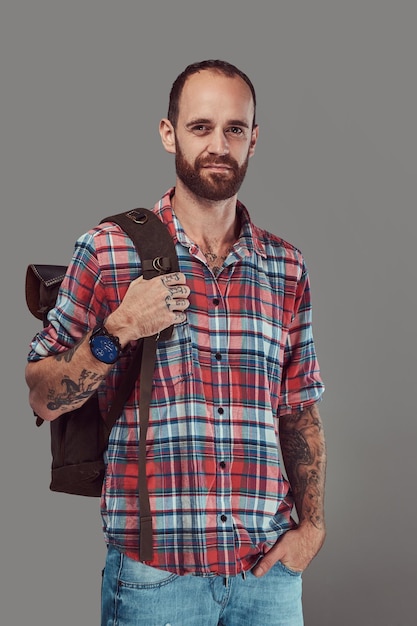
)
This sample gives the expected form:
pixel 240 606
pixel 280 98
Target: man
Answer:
pixel 238 377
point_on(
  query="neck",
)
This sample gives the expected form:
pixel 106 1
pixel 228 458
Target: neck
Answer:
pixel 208 223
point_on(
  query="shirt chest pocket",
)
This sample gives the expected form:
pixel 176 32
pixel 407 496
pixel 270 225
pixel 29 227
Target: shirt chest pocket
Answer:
pixel 174 358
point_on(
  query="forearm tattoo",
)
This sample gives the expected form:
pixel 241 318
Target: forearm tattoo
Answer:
pixel 73 393
pixel 304 454
pixel 67 356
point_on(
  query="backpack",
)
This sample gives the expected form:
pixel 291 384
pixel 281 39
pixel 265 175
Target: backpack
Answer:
pixel 79 438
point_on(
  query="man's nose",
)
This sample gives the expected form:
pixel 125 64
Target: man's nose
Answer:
pixel 218 143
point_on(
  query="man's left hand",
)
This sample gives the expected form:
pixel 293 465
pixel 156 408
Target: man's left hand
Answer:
pixel 295 549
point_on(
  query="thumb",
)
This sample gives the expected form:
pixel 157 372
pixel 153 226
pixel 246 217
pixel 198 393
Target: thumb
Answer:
pixel 267 561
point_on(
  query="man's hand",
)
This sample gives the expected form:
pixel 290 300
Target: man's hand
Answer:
pixel 295 549
pixel 150 306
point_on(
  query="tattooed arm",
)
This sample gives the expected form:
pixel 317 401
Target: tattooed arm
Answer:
pixel 65 381
pixel 304 453
pixel 303 450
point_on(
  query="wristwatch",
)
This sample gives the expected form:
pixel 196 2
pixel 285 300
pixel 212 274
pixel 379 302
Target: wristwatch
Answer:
pixel 104 346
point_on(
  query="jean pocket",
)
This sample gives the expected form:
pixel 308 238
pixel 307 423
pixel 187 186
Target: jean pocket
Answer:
pixel 137 575
pixel 288 570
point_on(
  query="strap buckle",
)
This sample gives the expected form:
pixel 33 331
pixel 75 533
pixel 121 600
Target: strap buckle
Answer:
pixel 137 216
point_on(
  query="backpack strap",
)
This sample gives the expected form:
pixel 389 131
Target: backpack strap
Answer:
pixel 156 250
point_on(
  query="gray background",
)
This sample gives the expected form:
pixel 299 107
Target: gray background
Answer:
pixel 83 86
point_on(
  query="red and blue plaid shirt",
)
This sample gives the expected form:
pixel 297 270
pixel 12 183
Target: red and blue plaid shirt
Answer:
pixel 244 357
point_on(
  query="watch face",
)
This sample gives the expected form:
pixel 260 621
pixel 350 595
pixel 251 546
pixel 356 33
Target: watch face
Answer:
pixel 104 349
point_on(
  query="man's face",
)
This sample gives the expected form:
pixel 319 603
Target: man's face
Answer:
pixel 210 179
pixel 214 137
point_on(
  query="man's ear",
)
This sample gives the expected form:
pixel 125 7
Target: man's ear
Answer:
pixel 166 130
pixel 253 140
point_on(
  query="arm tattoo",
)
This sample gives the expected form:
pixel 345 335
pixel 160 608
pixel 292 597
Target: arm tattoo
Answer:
pixel 67 356
pixel 74 393
pixel 304 454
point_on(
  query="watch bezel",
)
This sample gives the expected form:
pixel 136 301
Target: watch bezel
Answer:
pixel 109 349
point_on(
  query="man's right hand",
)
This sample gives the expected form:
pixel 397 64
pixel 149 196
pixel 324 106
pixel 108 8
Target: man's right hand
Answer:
pixel 149 307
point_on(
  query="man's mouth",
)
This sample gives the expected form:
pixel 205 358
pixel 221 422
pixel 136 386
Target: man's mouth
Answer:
pixel 217 166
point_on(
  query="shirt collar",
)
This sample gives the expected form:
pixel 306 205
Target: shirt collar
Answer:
pixel 250 235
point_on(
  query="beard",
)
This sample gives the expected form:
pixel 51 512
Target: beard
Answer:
pixel 211 185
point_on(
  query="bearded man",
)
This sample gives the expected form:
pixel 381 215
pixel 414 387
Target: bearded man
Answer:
pixel 237 381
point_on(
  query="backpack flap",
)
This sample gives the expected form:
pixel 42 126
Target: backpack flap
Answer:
pixel 42 285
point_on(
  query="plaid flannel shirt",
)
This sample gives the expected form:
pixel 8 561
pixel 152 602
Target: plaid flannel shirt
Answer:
pixel 244 356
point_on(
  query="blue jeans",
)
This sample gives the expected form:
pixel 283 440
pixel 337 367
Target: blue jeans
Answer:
pixel 134 594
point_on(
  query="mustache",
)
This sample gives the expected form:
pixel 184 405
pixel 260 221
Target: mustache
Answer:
pixel 221 160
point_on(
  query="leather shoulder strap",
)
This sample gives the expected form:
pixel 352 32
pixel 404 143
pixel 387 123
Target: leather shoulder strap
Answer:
pixel 153 243
pixel 157 253
pixel 156 250
pixel 152 240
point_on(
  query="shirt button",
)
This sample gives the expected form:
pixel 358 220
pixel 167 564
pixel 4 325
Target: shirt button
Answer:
pixel 220 410
pixel 223 518
pixel 218 356
pixel 222 464
pixel 216 301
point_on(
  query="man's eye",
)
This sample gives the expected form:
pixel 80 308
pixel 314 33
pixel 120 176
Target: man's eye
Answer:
pixel 200 128
pixel 235 130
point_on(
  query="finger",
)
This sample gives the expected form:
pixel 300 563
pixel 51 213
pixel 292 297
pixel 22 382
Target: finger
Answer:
pixel 173 278
pixel 261 568
pixel 264 565
pixel 180 318
pixel 176 304
pixel 179 291
pixel 181 305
